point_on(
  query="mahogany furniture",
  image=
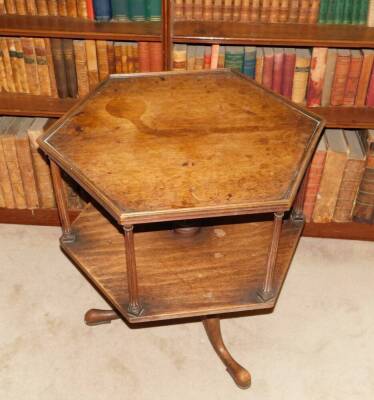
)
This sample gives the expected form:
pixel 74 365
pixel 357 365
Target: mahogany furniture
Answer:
pixel 187 217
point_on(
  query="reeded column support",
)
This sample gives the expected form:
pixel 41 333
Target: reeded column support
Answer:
pixel 267 291
pixel 67 234
pixel 297 213
pixel 134 306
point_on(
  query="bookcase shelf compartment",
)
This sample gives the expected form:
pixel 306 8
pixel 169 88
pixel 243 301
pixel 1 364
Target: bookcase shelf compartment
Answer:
pixel 37 216
pixel 309 35
pixel 348 230
pixel 75 28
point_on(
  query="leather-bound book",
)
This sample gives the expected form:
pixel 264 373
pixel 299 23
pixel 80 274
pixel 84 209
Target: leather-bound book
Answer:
pixel 198 10
pixel 103 11
pixel 347 14
pixel 259 70
pixel 126 58
pixel 21 7
pixel 118 57
pixel 21 65
pixel 199 57
pixel 234 57
pixel 51 71
pixel 363 15
pixel 227 10
pixel 178 10
pixel 81 67
pixel 314 12
pixel 370 20
pixel 59 67
pixel 188 10
pixel 274 11
pixel 245 8
pixel 364 206
pixel 314 178
pixel 3 79
pixel 153 10
pixel 102 59
pixel 120 10
pixel 304 11
pixel 191 51
pixel 69 61
pixel 90 10
pixel 284 10
pixel 278 69
pixel 62 8
pixel 25 163
pixel 137 10
pixel 267 72
pixel 329 77
pixel 323 8
pixel 15 65
pixel 71 7
pixel 155 52
pixel 221 57
pixel 52 7
pixel 8 139
pixel 111 57
pixel 336 159
pixel 265 11
pixel 217 10
pixel 255 11
pixel 93 72
pixel 370 94
pixel 293 15
pixel 339 11
pixel 2 12
pixel 317 76
pixel 40 165
pixel 214 56
pixel 31 7
pixel 134 57
pixel 82 9
pixel 7 65
pixel 31 65
pixel 5 182
pixel 301 74
pixel 42 66
pixel 249 61
pixel 42 7
pixel 207 57
pixel 330 16
pixel 207 10
pixel 236 9
pixel 180 57
pixel 352 176
pixel 10 6
pixel 363 82
pixel 288 71
pixel 354 73
pixel 343 61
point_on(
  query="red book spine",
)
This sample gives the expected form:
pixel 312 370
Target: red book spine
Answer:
pixel 267 75
pixel 370 95
pixel 288 73
pixel 90 10
pixel 343 61
pixel 278 71
pixel 144 57
pixel 317 76
pixel 155 52
pixel 352 80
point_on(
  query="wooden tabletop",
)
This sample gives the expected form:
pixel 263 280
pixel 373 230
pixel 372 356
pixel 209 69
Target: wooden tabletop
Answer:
pixel 171 146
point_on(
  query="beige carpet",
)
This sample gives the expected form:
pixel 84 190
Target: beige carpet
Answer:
pixel 318 344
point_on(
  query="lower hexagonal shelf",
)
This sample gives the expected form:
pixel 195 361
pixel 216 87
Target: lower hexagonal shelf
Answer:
pixel 218 270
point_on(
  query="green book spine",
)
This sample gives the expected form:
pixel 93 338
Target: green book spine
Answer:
pixel 234 58
pixel 330 18
pixel 324 6
pixel 153 10
pixel 339 11
pixel 363 17
pixel 120 10
pixel 137 10
pixel 347 16
pixel 356 9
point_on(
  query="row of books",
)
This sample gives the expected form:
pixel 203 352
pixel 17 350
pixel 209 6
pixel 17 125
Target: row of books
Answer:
pixel 100 10
pixel 358 12
pixel 70 68
pixel 25 179
pixel 321 77
pixel 340 181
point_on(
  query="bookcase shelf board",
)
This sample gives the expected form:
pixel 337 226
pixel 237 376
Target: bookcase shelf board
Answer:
pixel 347 117
pixel 273 34
pixel 38 216
pixel 67 27
pixel 349 230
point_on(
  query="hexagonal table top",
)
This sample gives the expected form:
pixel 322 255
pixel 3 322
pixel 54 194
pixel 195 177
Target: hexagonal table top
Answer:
pixel 169 146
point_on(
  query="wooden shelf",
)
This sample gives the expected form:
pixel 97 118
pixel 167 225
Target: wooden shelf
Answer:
pixel 75 28
pixel 346 117
pixel 349 230
pixel 274 34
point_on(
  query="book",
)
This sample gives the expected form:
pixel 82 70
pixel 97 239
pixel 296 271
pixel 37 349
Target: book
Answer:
pixel 207 57
pixel 363 82
pixel 59 67
pixel 153 10
pixel 3 79
pixel 363 13
pixel 42 7
pixel 42 67
pixel 5 182
pixel 137 10
pixel 217 10
pixel 31 65
pixel 62 8
pixel 120 10
pixel 82 10
pixel 110 56
pixel 265 11
pixel 314 12
pixel 227 10
pixel 144 57
pixel 179 57
pixel 14 62
pixel 81 67
pixel 314 178
pixel 52 7
pixel 293 11
pixel 20 59
pixel 234 58
pixel 10 6
pixel 10 80
pixel 25 162
pixel 347 14
pixel 255 12
pixel 288 71
pixel 352 176
pixel 267 71
pixel 370 93
pixel 214 57
pixel 370 20
pixel 354 73
pixel 329 77
pixel 221 57
pixel 278 69
pixel 259 64
pixel 207 10
pixel 274 11
pixel 343 61
pixel 249 61
pixel 199 57
pixel 356 11
pixel 41 166
pixel 69 61
pixel 191 53
pixel 178 10
pixel 90 10
pixel 50 78
pixel 284 10
pixel 103 11
pixel 92 68
pixel 188 9
pixel 71 7
pixel 21 7
pixel 364 205
pixel 339 12
pixel 304 10
pixel 336 158
pixel 102 59
pixel 301 74
pixel 155 55
pixel 316 77
pixel 330 15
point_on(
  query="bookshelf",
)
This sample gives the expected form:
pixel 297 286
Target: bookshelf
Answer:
pixel 188 32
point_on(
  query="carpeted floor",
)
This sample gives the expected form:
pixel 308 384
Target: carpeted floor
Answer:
pixel 318 343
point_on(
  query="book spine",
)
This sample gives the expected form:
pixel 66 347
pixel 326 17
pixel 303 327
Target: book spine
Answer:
pixel 102 59
pixel 370 21
pixel 31 7
pixel 207 57
pixel 81 67
pixel 340 79
pixel 300 79
pixel 363 83
pixel 154 10
pixel 227 10
pixel 284 10
pixel 42 7
pixel 278 72
pixel 90 10
pixel 50 78
pixel 294 11
pixel 179 57
pixel 304 12
pixel 155 51
pixel 351 85
pixel 93 73
pixel 208 10
pixel 21 65
pixel 117 58
pixel 265 11
pixel 120 10
pixel 244 14
pixel 102 10
pixel 249 61
pixel 144 57
pixel 137 10
pixel 217 10
pixel 347 14
pixel 330 16
pixel 31 65
pixel 363 16
pixel 14 64
pixel 267 74
pixel 314 12
pixel 10 6
pixel 42 67
pixel 370 93
pixel 3 78
pixel 339 12
pixel 215 56
pixel 178 10
pixel 288 73
pixel 255 11
pixel 82 10
pixel 329 77
pixel 111 56
pixel 59 67
pixel 274 11
pixel 221 57
pixel 69 61
pixel 236 9
pixel 317 75
pixel 71 6
pixel 197 10
pixel 5 182
pixel 52 7
pixel 62 8
pixel 21 7
pixel 234 58
pixel 356 11
pixel 7 65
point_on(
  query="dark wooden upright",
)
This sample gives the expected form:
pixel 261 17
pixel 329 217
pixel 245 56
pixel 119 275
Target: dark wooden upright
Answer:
pixel 162 153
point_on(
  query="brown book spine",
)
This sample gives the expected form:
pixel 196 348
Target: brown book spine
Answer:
pixel 208 10
pixel 82 9
pixel 244 14
pixel 354 73
pixel 294 11
pixel 69 61
pixel 16 73
pixel 59 67
pixel 7 65
pixel 125 57
pixel 259 70
pixel 118 57
pixel 21 7
pixel 52 7
pixel 363 83
pixel 314 12
pixel 288 72
pixel 300 78
pixel 3 78
pixel 255 12
pixel 144 57
pixel 51 71
pixel 198 10
pixel 188 9
pixel 155 51
pixel 304 11
pixel 93 73
pixel 313 182
pixel 102 59
pixel 31 7
pixel 217 10
pixel 62 8
pixel 317 75
pixel 31 65
pixel 178 10
pixel 284 10
pixel 10 6
pixel 340 78
pixel 274 11
pixel 111 58
pixel 265 11
pixel 236 9
pixel 227 10
pixel 42 67
pixel 71 7
pixel 2 12
pixel 5 182
pixel 27 170
pixel 81 67
pixel 42 7
pixel 21 65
